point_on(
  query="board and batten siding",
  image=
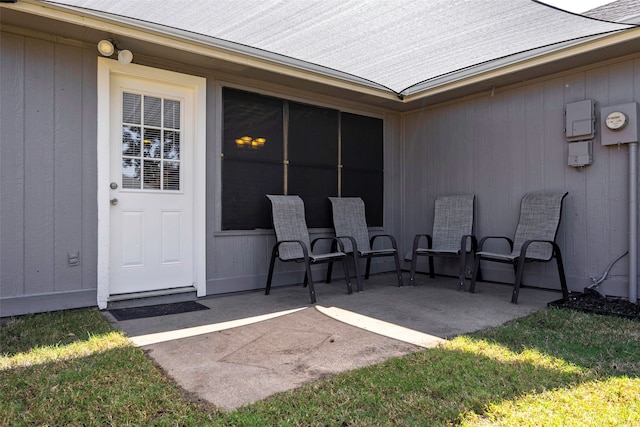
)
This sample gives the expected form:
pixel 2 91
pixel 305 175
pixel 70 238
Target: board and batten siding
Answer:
pixel 48 169
pixel 47 165
pixel 497 147
pixel 500 146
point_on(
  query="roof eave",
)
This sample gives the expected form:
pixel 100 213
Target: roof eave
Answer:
pixel 203 45
pixel 247 56
pixel 517 63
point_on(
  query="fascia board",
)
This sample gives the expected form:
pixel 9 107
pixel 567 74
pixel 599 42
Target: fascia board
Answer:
pixel 512 64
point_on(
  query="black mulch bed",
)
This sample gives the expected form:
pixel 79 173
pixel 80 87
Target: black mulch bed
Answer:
pixel 592 302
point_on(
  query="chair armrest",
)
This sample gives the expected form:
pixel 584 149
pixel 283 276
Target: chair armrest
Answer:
pixel 392 239
pixel 416 241
pixel 463 243
pixel 525 246
pixel 484 239
pixel 354 245
pixel 305 251
pixel 336 242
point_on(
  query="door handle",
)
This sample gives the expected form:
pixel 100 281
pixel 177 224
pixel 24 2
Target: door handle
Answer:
pixel 113 201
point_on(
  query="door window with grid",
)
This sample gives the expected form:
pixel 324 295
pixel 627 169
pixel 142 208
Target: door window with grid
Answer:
pixel 151 130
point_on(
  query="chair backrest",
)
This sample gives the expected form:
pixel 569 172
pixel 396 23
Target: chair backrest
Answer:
pixel 349 220
pixel 289 224
pixel 539 220
pixel 453 218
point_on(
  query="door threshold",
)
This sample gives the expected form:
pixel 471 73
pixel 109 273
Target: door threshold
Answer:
pixel 161 296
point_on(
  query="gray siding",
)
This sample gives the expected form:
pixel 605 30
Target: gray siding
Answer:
pixel 48 164
pixel 48 187
pixel 496 146
pixel 503 145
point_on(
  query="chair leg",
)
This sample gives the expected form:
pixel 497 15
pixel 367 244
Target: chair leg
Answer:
pixel 307 275
pixel 398 270
pixel 356 267
pixel 463 265
pixel 479 278
pixel 412 273
pixel 563 278
pixel 414 259
pixel 368 269
pixel 334 247
pixel 518 282
pixel 329 272
pixel 474 273
pixel 346 276
pixel 274 254
pixel 431 270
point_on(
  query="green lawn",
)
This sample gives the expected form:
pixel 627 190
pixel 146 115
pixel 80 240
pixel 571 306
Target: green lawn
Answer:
pixel 553 368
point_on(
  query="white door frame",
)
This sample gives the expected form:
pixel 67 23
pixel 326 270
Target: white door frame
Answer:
pixel 107 67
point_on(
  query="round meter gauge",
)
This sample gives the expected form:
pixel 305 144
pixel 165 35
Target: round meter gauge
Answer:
pixel 616 120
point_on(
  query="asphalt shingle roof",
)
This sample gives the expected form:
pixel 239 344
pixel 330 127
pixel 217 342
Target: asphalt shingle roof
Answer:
pixel 400 45
pixel 627 11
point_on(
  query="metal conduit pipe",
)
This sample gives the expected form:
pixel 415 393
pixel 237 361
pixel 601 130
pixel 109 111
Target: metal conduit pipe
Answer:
pixel 633 222
pixel 596 282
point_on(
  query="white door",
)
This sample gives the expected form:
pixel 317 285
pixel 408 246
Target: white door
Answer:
pixel 151 186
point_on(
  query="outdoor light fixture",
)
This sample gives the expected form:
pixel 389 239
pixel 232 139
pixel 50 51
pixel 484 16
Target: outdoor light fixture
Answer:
pixel 105 47
pixel 108 47
pixel 248 142
pixel 125 56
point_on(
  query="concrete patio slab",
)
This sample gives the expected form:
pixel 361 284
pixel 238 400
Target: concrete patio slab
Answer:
pixel 249 346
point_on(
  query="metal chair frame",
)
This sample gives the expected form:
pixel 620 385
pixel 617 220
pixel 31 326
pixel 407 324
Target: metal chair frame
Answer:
pixel 292 242
pixel 350 225
pixel 530 244
pixel 454 221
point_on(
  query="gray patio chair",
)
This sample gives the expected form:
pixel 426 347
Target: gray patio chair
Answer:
pixel 453 227
pixel 350 224
pixel 292 241
pixel 534 240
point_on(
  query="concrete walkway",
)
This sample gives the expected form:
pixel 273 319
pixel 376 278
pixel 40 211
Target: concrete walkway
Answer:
pixel 249 346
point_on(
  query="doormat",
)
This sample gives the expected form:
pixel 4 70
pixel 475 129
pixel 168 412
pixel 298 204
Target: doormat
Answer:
pixel 156 310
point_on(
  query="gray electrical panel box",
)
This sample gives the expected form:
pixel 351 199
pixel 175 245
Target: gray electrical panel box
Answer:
pixel 580 153
pixel 619 124
pixel 580 120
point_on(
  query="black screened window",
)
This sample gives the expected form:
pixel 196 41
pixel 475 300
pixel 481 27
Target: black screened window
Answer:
pixel 252 165
pixel 275 146
pixel 362 163
pixel 313 160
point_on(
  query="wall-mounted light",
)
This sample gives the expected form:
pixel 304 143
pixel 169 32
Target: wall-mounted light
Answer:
pixel 105 47
pixel 108 47
pixel 125 56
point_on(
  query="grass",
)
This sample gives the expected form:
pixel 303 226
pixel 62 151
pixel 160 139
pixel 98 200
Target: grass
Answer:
pixel 553 368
